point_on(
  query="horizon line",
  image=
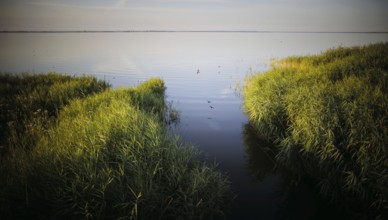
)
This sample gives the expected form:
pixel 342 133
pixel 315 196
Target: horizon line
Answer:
pixel 189 31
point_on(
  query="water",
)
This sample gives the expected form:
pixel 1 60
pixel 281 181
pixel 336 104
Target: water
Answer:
pixel 201 72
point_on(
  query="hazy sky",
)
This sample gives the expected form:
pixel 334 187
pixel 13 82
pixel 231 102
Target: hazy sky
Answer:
pixel 275 15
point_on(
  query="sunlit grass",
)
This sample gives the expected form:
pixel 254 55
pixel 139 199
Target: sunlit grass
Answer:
pixel 109 156
pixel 328 115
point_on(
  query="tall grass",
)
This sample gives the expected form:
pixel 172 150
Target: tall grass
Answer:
pixel 328 115
pixel 109 156
pixel 29 102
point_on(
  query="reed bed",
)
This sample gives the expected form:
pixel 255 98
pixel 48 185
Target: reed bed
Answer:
pixel 109 156
pixel 327 114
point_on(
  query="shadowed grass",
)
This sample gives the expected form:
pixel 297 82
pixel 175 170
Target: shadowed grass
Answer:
pixel 109 156
pixel 328 115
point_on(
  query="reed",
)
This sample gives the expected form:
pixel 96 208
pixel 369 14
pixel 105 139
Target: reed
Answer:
pixel 31 102
pixel 110 156
pixel 327 114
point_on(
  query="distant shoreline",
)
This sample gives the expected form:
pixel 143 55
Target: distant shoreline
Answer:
pixel 197 31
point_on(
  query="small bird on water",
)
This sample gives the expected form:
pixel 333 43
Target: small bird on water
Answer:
pixel 197 71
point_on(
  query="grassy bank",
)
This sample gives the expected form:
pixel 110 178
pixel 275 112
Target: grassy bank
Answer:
pixel 106 156
pixel 328 115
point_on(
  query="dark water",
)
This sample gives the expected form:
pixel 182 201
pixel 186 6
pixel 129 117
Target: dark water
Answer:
pixel 201 72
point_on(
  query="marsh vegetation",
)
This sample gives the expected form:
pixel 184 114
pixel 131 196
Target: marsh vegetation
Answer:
pixel 128 59
pixel 327 115
pixel 74 147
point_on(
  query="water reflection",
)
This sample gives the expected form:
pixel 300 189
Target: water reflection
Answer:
pixel 261 157
pixel 298 199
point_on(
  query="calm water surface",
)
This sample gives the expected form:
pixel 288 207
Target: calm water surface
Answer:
pixel 201 72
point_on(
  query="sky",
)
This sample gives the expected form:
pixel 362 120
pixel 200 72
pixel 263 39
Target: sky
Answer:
pixel 252 15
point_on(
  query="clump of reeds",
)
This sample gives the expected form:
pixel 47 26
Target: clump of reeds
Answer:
pixel 109 156
pixel 328 115
pixel 30 102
